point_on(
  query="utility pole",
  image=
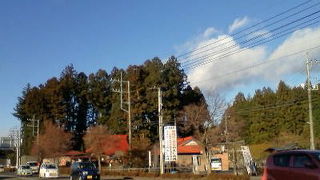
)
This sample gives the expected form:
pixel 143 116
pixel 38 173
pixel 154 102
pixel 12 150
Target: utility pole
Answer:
pixel 160 129
pixel 15 135
pixel 128 110
pixel 309 65
pixel 129 114
pixel 34 125
pixel 17 138
pixel 38 131
pixel 226 124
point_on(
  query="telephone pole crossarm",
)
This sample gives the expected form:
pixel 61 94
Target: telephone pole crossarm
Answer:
pixel 128 103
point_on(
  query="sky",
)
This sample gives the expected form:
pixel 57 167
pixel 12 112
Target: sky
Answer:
pixel 39 38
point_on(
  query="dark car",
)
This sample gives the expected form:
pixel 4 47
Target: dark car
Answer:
pixel 293 164
pixel 84 170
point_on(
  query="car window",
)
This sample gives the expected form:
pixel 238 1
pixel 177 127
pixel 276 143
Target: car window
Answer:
pixel 51 166
pixel 300 160
pixel 32 164
pixel 25 167
pixel 74 166
pixel 87 166
pixel 282 160
pixel 316 155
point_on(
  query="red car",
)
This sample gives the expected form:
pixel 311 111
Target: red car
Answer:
pixel 293 164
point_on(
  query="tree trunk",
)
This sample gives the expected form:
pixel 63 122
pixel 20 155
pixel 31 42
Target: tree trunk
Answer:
pixel 99 163
pixel 207 152
pixel 208 162
pixel 235 170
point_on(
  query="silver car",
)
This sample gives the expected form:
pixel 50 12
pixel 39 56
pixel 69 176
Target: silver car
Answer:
pixel 24 170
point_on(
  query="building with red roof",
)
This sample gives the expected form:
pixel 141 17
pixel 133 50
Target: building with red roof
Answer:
pixel 188 145
pixel 119 145
pixel 191 154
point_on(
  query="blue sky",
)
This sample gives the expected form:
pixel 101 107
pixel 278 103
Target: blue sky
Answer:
pixel 39 38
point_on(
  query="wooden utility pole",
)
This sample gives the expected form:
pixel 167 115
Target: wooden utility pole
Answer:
pixel 160 129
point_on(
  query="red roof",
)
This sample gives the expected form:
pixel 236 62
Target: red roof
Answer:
pixel 183 148
pixel 119 143
pixel 74 153
pixel 184 140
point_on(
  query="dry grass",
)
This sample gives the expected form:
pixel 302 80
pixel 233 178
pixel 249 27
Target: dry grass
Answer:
pixel 136 173
pixel 175 176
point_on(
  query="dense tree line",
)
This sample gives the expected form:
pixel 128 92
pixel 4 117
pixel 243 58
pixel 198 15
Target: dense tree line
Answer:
pixel 272 116
pixel 75 101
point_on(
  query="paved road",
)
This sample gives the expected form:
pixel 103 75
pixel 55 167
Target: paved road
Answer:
pixel 255 177
pixel 14 176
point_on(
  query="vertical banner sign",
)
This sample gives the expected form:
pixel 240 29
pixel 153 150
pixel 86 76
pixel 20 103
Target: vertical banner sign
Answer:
pixel 170 143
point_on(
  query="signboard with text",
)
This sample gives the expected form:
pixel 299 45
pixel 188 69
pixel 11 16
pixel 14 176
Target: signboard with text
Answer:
pixel 170 143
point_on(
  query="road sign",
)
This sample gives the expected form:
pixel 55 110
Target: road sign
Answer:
pixel 170 143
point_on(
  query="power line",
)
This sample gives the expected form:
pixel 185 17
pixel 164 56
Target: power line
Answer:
pixel 239 32
pixel 270 107
pixel 226 49
pixel 258 64
pixel 247 34
pixel 253 44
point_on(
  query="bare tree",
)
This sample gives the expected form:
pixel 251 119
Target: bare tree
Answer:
pixel 98 140
pixel 52 143
pixel 193 119
pixel 196 118
pixel 212 134
pixel 216 105
pixel 235 125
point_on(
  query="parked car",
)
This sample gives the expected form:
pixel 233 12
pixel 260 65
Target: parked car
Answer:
pixel 34 166
pixel 84 170
pixel 216 164
pixel 24 170
pixel 292 164
pixel 48 170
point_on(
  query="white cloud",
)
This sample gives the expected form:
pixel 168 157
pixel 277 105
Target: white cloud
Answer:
pixel 238 23
pixel 208 32
pixel 226 74
pixel 193 43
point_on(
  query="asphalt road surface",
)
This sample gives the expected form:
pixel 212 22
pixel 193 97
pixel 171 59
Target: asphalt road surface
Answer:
pixel 13 176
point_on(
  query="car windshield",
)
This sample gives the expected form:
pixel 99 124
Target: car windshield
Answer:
pixel 50 166
pixel 25 167
pixel 32 164
pixel 86 166
pixel 215 161
pixel 316 155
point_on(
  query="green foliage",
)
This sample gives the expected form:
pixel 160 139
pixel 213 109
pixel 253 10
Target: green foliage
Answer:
pixel 76 101
pixel 271 116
